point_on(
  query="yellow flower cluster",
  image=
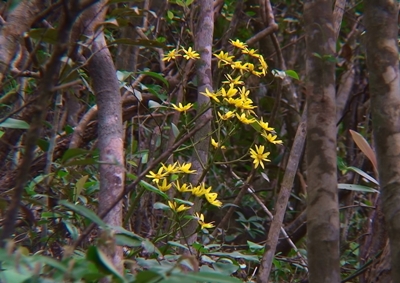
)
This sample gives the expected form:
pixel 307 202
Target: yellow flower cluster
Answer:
pixel 233 98
pixel 188 54
pixel 164 183
pixel 225 59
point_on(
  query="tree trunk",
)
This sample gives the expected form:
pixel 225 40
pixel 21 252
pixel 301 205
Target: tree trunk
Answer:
pixel 383 65
pixel 106 87
pixel 203 44
pixel 322 206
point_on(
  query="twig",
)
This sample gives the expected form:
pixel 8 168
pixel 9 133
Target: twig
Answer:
pixel 261 34
pixel 283 197
pixel 286 236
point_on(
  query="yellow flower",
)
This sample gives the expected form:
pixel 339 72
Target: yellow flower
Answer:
pixel 216 144
pixel 224 58
pixel 231 92
pixel 244 93
pixel 212 199
pixel 171 55
pixel 238 44
pixel 242 118
pixel 184 188
pixel 272 138
pixel 259 156
pixel 251 52
pixel 249 67
pixel 182 108
pixel 210 95
pixel 245 104
pixel 233 82
pixel 232 101
pixel 170 168
pixel 200 190
pixel 185 168
pixel 157 176
pixel 265 125
pixel 238 66
pixel 227 115
pixel 264 66
pixel 258 74
pixel 200 220
pixel 190 54
pixel 174 206
pixel 164 186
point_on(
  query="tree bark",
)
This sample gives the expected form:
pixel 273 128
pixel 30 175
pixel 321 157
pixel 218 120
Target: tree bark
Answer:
pixel 203 44
pixel 322 204
pixel 110 135
pixel 18 22
pixel 384 83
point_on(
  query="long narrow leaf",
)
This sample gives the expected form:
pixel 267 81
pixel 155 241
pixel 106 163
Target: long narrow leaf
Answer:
pixel 365 175
pixel 357 188
pixel 84 212
pixel 364 146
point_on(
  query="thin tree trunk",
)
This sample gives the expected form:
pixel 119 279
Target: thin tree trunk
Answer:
pixel 106 87
pixel 384 83
pixel 322 206
pixel 203 44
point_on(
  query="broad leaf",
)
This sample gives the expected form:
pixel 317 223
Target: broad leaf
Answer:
pixel 14 124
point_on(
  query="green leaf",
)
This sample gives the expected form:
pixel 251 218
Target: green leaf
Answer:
pixel 43 144
pixel 254 247
pixel 357 188
pixel 209 277
pixel 73 152
pixel 148 186
pixel 236 255
pixel 123 75
pixel 124 240
pixel 14 124
pixel 85 212
pixel 181 201
pixel 12 275
pixel 73 231
pixel 50 262
pixel 170 15
pixel 365 175
pixel 156 76
pixel 292 74
pixel 150 247
pixel 95 255
pixel 49 35
pixel 153 104
pixel 226 267
pixel 316 55
pixel 188 2
pixel 79 186
pixel 175 130
pixel 148 276
pixel 160 205
pixel 179 245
